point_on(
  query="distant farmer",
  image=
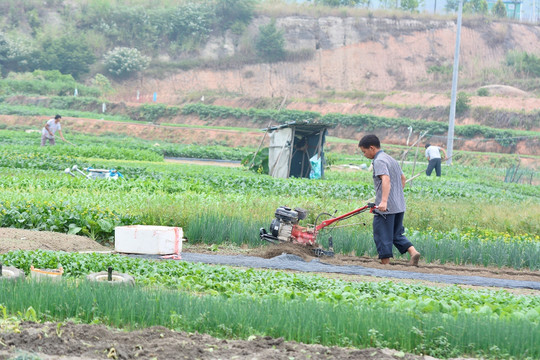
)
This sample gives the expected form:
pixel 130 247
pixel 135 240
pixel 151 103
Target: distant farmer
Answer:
pixel 433 154
pixel 389 182
pixel 50 128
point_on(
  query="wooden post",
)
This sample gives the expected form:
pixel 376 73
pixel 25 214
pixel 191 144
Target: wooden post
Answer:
pixel 414 164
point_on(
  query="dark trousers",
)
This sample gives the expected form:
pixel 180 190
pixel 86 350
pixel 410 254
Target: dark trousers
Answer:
pixel 434 164
pixel 387 232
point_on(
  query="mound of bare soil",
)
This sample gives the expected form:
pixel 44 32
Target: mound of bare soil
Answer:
pixel 305 252
pixel 20 239
pixel 78 341
pixel 505 90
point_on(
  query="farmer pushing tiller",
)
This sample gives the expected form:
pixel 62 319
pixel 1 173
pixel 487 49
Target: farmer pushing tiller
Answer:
pixel 388 209
pixel 285 229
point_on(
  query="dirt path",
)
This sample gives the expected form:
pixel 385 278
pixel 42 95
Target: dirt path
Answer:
pixel 204 162
pixel 354 268
pixel 51 341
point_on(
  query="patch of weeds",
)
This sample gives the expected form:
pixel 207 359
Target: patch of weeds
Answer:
pixel 434 342
pixel 25 356
pixel 482 92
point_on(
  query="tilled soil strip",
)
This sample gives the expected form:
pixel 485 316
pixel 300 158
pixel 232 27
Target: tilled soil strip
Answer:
pixel 293 262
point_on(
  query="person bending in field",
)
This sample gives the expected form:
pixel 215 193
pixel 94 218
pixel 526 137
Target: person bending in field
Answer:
pixel 389 182
pixel 433 154
pixel 50 128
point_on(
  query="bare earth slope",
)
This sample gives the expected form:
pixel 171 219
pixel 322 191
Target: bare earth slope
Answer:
pixel 378 54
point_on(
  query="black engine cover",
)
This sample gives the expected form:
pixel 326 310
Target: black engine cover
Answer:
pixel 287 214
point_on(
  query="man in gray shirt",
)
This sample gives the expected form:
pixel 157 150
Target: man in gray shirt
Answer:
pixel 389 182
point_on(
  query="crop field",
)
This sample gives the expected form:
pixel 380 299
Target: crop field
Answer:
pixel 469 217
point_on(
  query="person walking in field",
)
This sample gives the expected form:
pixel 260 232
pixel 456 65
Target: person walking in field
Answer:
pixel 389 181
pixel 50 128
pixel 433 154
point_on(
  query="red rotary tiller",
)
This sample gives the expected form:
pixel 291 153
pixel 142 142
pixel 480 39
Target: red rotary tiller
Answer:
pixel 285 229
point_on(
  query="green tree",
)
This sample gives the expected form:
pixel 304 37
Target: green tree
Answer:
pixel 469 6
pixel 410 5
pixel 270 44
pixel 229 12
pixel 475 7
pixel 69 54
pixel 191 20
pixel 388 4
pixel 499 10
pixel 451 5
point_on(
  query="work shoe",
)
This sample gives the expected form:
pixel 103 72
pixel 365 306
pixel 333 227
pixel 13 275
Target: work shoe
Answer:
pixel 414 259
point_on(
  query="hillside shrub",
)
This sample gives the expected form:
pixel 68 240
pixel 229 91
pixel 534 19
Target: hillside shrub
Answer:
pixel 148 27
pixel 16 55
pixel 124 62
pixel 482 92
pixel 504 118
pixel 523 63
pixel 125 25
pixel 463 103
pixel 410 5
pixel 234 12
pixel 363 122
pixel 499 10
pixel 152 112
pixel 190 21
pixel 441 72
pixel 475 7
pixel 81 103
pixel 101 82
pixel 256 115
pixel 270 44
pixel 40 82
pixel 469 6
pixel 68 54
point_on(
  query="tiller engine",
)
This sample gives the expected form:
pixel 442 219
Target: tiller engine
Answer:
pixel 285 229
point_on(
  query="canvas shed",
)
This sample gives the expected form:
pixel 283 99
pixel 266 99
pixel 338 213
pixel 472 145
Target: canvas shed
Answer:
pixel 297 150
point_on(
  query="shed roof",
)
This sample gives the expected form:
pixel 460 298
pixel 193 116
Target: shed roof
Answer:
pixel 301 128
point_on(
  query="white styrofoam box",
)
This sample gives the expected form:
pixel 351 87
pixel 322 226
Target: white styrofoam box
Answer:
pixel 148 239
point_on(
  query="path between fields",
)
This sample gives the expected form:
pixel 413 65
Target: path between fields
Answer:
pixel 294 262
pixel 341 266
